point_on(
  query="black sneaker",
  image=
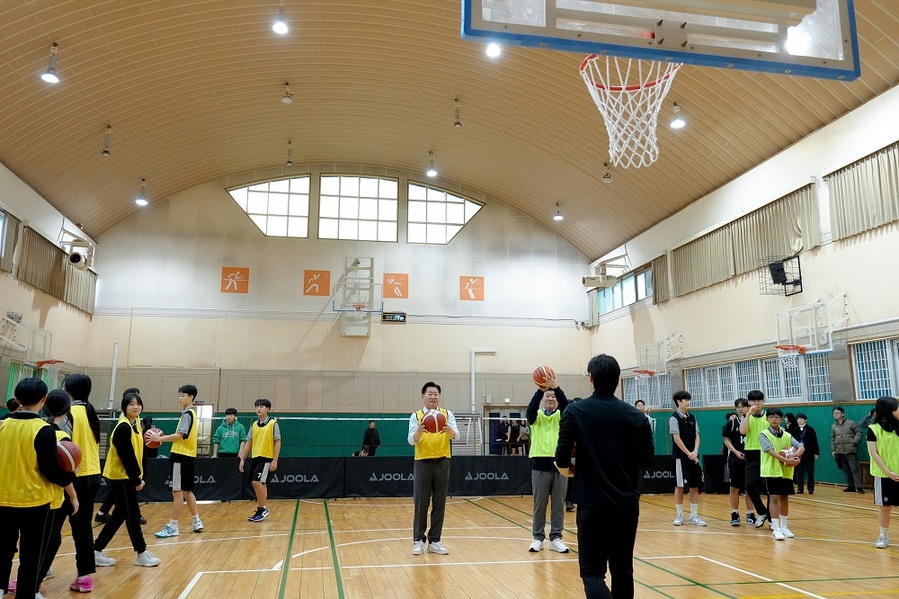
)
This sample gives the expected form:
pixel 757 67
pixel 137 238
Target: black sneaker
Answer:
pixel 569 506
pixel 849 490
pixel 750 518
pixel 101 517
pixel 735 519
pixel 860 491
pixel 143 520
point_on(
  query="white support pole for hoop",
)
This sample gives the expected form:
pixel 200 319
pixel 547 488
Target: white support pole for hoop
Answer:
pixel 115 366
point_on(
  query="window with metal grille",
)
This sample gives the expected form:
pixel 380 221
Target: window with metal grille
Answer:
pixel 872 369
pixel 749 377
pixel 695 387
pixel 654 391
pixel 817 376
pixel 278 208
pixel 357 208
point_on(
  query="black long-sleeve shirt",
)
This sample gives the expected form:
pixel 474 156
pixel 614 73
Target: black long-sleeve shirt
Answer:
pixel 121 439
pixel 45 450
pixel 371 438
pixel 614 440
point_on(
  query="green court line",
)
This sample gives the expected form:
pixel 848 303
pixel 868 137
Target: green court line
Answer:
pixel 514 509
pixel 285 567
pixel 340 593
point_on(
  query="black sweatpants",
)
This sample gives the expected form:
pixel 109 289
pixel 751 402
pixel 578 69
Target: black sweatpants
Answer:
pixel 126 511
pixel 52 541
pixel 27 527
pixel 81 522
pixel 754 481
pixel 605 542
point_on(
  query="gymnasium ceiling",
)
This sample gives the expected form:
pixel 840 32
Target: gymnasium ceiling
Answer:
pixel 192 91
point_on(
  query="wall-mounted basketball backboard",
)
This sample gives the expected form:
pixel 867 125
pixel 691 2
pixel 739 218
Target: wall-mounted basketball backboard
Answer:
pixel 814 38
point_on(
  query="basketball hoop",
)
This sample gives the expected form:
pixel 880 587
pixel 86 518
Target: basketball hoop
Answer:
pixel 51 367
pixel 629 94
pixel 643 375
pixel 358 307
pixel 789 355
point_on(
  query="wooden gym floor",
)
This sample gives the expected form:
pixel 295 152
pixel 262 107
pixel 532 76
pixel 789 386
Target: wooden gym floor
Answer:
pixel 351 548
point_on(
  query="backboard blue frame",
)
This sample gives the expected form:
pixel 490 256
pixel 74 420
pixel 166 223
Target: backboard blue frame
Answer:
pixel 627 28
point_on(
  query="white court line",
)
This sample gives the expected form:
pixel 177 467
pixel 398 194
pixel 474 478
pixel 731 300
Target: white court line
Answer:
pixel 401 501
pixel 736 569
pixel 406 539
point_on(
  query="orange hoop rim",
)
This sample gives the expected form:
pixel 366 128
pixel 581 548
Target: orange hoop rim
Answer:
pixel 644 372
pixel 358 307
pixel 629 88
pixel 42 363
pixel 795 348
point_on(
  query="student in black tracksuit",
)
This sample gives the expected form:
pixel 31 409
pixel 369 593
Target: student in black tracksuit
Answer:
pixel 614 440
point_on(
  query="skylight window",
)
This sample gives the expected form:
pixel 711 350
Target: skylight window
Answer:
pixel 436 216
pixel 357 208
pixel 278 208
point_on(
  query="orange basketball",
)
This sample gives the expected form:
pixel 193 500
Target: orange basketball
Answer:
pixel 68 455
pixel 541 373
pixel 434 421
pixel 152 444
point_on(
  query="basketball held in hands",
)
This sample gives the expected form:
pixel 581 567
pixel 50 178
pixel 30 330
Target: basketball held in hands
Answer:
pixel 68 455
pixel 149 435
pixel 434 421
pixel 542 374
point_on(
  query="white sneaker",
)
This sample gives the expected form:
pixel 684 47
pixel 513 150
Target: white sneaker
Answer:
pixel 558 546
pixel 787 532
pixel 883 542
pixel 418 547
pixel 167 531
pixel 536 546
pixel 679 521
pixel 147 560
pixel 103 560
pixel 779 534
pixel 50 573
pixel 437 547
pixel 198 525
pixel 697 521
pixel 760 521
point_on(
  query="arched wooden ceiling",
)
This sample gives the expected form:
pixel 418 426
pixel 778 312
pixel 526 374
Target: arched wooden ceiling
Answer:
pixel 192 91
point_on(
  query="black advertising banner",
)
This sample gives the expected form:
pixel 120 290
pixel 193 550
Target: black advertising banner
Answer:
pixel 713 474
pixel 490 475
pixel 378 477
pixel 658 478
pixel 303 478
pixel 214 480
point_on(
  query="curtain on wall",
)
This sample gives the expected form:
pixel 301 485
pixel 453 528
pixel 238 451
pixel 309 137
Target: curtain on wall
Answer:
pixel 703 262
pixel 44 265
pixel 660 292
pixel 8 236
pixel 782 228
pixel 865 195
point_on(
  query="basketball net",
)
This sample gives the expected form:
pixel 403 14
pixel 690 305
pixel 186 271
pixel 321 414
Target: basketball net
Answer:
pixel 50 370
pixel 643 376
pixel 789 355
pixel 629 94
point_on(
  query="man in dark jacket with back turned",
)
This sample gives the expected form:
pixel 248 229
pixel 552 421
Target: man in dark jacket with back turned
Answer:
pixel 614 440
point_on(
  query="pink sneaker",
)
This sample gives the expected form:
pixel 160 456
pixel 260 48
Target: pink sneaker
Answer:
pixel 82 584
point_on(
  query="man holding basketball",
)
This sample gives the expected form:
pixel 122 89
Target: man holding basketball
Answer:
pixel 431 470
pixel 614 440
pixel 544 413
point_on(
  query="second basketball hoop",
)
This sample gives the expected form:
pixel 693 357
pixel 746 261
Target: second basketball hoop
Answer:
pixel 628 93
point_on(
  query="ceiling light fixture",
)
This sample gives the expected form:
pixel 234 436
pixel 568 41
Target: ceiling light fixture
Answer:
pixel 607 177
pixel 142 198
pixel 431 172
pixel 50 75
pixel 280 26
pixel 106 153
pixel 289 154
pixel 678 121
pixel 458 123
pixel 558 215
pixel 493 50
pixel 287 98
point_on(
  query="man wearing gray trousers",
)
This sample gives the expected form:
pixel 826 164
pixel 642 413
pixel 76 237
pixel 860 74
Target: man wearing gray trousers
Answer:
pixel 544 413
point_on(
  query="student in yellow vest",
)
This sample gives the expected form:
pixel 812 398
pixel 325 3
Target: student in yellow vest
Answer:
pixel 30 471
pixel 85 433
pixel 124 473
pixel 431 472
pixel 56 409
pixel 777 470
pixel 883 446
pixel 750 427
pixel 264 440
pixel 183 458
pixel 544 413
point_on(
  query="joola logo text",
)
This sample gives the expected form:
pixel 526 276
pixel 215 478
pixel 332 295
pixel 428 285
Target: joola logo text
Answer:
pixel 294 478
pixel 486 476
pixel 658 474
pixel 389 476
